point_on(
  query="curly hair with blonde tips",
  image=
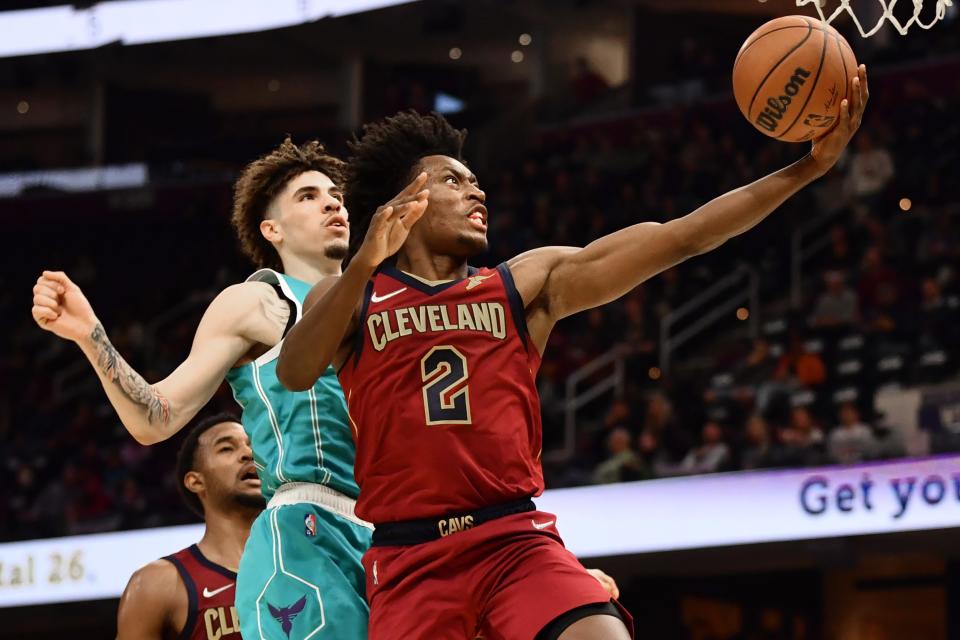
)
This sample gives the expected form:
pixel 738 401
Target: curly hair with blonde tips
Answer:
pixel 262 180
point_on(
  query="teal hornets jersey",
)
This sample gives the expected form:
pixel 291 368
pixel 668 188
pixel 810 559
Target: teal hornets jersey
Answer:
pixel 296 436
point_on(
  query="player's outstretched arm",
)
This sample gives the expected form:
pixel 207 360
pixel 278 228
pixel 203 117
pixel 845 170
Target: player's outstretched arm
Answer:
pixel 331 308
pixel 154 412
pixel 149 603
pixel 573 280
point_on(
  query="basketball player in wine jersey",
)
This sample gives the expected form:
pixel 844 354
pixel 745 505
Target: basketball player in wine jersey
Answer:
pixel 438 363
pixel 190 594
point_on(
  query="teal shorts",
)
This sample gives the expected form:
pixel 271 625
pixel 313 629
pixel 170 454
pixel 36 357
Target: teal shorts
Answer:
pixel 300 576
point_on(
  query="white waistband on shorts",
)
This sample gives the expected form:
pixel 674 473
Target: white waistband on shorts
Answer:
pixel 317 494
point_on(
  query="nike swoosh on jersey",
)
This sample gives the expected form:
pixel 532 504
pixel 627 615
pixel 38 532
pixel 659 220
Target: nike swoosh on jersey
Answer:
pixel 376 298
pixel 209 594
pixel 542 525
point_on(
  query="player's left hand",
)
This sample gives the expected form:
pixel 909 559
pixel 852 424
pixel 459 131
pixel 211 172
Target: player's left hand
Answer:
pixel 391 223
pixel 826 149
pixel 606 582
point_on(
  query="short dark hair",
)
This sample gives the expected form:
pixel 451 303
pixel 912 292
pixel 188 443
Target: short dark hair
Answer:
pixel 187 456
pixel 385 157
pixel 262 180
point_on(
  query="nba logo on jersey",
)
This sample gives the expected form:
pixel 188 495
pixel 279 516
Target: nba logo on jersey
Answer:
pixel 310 524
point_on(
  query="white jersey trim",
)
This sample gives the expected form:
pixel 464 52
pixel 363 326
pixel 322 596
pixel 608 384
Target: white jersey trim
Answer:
pixel 270 276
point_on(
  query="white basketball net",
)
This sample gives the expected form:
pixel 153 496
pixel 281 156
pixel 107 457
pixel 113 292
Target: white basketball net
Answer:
pixel 888 5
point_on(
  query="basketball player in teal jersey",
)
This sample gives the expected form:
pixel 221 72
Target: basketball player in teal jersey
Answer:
pixel 300 575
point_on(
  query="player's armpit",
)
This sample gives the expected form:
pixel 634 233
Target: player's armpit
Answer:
pixel 531 271
pixel 153 605
pixel 329 320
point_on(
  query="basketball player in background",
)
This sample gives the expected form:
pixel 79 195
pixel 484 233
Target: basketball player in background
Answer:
pixel 438 361
pixel 289 216
pixel 190 594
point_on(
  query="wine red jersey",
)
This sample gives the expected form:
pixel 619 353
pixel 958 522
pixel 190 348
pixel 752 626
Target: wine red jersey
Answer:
pixel 211 614
pixel 442 396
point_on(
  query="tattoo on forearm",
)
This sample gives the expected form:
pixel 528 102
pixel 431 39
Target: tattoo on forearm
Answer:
pixel 116 369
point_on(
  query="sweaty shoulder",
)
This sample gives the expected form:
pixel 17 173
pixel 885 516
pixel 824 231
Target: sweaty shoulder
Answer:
pixel 532 272
pixel 155 598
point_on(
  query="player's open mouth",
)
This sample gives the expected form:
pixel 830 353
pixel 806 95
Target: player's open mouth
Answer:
pixel 338 222
pixel 478 217
pixel 250 476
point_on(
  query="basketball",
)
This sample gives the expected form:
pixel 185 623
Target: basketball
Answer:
pixel 790 77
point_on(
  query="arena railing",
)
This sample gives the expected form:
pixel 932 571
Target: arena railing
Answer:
pixel 612 363
pixel 807 241
pixel 711 306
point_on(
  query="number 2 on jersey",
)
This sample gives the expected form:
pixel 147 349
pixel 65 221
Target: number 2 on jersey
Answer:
pixel 446 397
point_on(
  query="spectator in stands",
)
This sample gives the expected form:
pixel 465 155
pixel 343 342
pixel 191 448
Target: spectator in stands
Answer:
pixel 879 292
pixel 725 406
pixel 758 366
pixel 939 243
pixel 46 516
pixel 619 413
pixel 838 306
pixel 648 454
pixel 871 168
pixel 133 505
pixel 621 456
pixel 93 509
pixel 800 364
pixel 840 256
pixel 756 453
pixel 659 415
pixel 675 441
pixel 937 320
pixel 673 291
pixel 636 333
pixel 801 441
pixel 756 378
pixel 889 440
pixel 852 440
pixel 805 429
pixel 21 494
pixel 712 455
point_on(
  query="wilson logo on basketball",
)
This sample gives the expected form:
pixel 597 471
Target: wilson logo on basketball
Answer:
pixel 773 113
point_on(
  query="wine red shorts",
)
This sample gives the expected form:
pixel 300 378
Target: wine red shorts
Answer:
pixel 504 579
